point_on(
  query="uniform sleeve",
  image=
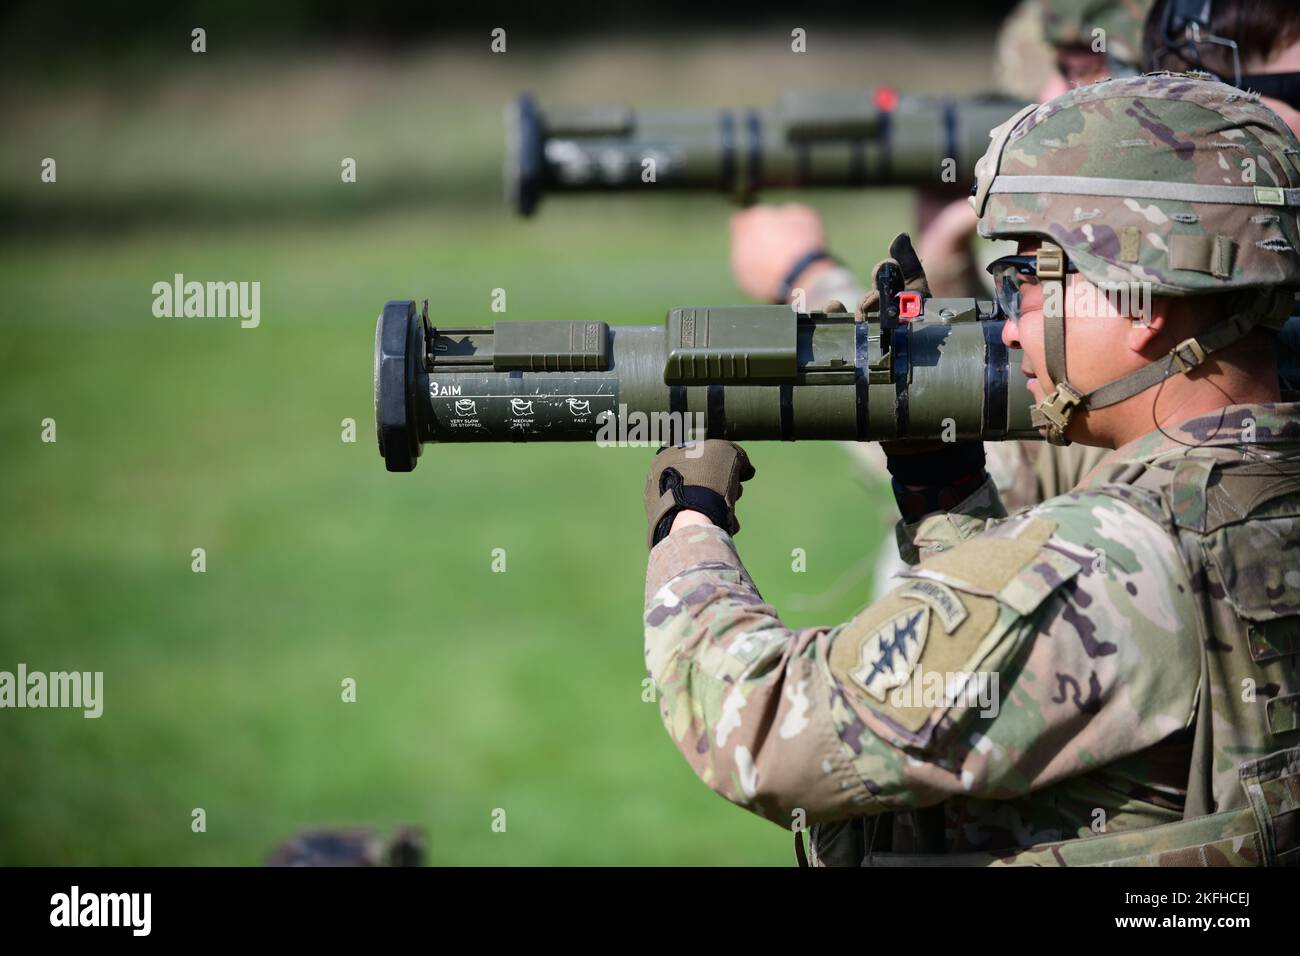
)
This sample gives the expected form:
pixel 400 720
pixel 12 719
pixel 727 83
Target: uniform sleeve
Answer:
pixel 1012 660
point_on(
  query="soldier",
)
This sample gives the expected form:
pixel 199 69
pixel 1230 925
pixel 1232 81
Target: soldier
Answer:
pixel 1110 676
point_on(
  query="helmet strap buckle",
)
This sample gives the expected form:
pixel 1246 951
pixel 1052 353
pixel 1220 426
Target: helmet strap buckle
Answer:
pixel 1187 355
pixel 1051 262
pixel 1053 412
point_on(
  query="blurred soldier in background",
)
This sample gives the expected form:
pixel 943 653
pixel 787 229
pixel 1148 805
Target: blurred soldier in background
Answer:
pixel 1252 44
pixel 777 250
pixel 770 244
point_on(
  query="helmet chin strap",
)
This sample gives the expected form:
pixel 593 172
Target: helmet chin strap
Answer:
pixel 1052 414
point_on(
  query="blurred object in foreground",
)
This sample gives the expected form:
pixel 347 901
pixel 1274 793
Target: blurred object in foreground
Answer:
pixel 358 846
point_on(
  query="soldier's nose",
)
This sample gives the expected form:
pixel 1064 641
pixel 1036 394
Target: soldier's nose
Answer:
pixel 1010 334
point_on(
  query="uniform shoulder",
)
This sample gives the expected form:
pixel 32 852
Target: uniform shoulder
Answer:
pixel 1108 538
pixel 1106 507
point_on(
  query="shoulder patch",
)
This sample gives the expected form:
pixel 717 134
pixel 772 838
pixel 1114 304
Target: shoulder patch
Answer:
pixel 937 640
pixel 902 641
pixel 940 597
pixel 887 655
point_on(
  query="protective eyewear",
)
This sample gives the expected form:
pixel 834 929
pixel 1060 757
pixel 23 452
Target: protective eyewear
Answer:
pixel 1010 273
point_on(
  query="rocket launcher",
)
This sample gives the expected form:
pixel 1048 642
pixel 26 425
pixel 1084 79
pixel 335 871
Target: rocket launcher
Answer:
pixel 837 138
pixel 919 368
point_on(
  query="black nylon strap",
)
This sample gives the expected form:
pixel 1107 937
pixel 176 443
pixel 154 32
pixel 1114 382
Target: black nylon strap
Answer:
pixel 803 262
pixel 861 360
pixel 689 498
pixel 715 424
pixel 787 412
pixel 995 380
pixel 950 129
pixel 727 139
pixel 753 151
pixel 885 137
pixel 901 337
pixel 677 399
pixel 1279 86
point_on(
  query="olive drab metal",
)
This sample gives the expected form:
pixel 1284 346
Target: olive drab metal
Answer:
pixel 753 372
pixel 834 138
pixel 735 372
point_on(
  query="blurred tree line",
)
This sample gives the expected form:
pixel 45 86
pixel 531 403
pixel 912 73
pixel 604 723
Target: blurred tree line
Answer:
pixel 34 29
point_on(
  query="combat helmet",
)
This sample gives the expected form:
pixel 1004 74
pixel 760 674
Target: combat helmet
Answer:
pixel 1176 182
pixel 1113 25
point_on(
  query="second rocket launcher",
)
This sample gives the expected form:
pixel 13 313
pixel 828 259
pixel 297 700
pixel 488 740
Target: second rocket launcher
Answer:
pixel 925 368
pixel 837 138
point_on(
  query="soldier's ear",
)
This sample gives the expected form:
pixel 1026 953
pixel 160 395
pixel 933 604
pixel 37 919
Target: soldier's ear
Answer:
pixel 1150 327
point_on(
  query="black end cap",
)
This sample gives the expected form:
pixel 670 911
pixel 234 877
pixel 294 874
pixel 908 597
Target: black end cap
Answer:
pixel 525 141
pixel 397 336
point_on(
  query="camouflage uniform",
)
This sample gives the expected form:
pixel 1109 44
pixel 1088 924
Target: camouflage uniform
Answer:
pixel 1108 677
pixel 1084 606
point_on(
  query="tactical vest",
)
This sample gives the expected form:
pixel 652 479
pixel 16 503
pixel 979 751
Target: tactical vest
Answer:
pixel 1237 524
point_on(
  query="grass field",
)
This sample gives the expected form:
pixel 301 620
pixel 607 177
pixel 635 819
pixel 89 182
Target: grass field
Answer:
pixel 475 690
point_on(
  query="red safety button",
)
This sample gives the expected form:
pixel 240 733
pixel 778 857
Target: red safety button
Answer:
pixel 886 99
pixel 909 305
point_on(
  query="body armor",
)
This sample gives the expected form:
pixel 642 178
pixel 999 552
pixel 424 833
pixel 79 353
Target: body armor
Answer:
pixel 1234 511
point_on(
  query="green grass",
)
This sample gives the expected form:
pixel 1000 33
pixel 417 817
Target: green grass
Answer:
pixel 476 690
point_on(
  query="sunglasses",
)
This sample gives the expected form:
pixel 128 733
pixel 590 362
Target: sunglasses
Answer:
pixel 1009 274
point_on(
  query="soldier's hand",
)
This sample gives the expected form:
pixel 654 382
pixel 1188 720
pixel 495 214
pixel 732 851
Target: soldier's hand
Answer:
pixel 904 256
pixel 933 476
pixel 699 476
pixel 768 241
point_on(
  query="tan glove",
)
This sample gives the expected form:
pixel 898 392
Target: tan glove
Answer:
pixel 701 476
pixel 904 256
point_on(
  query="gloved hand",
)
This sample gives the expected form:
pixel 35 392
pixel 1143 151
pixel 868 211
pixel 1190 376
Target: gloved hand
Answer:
pixel 929 477
pixel 904 256
pixel 703 477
